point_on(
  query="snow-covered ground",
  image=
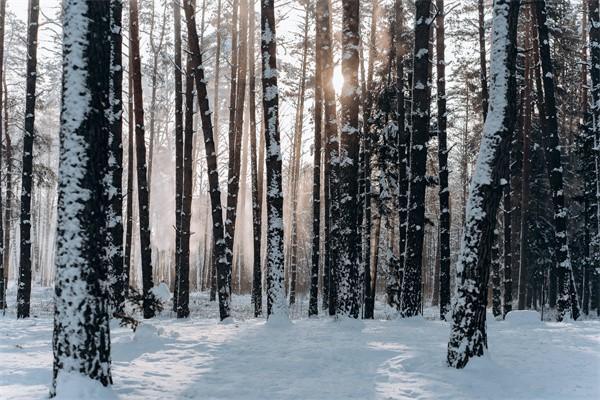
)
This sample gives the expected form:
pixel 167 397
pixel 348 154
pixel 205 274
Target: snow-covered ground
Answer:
pixel 200 358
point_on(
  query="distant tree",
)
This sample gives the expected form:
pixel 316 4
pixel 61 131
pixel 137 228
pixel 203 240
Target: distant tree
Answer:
pixel 2 215
pixel 140 156
pixel 81 341
pixel 24 289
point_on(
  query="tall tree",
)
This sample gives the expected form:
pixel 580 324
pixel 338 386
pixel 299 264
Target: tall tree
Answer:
pixel 567 294
pixel 183 281
pixel 130 161
pixel 2 222
pixel 115 172
pixel 313 308
pixel 411 282
pixel 296 156
pixel 256 192
pixel 24 289
pixel 276 306
pixel 482 59
pixel 140 155
pixel 468 336
pixel 81 341
pixel 444 192
pixel 223 270
pixel 323 24
pixel 346 262
pixel 178 145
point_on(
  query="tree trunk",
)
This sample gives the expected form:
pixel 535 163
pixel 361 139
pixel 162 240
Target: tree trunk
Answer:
pixel 24 289
pixel 8 212
pixel 183 282
pixel 114 187
pixel 3 223
pixel 256 193
pixel 444 193
pixel 140 150
pixel 296 162
pixel 411 283
pixel 567 294
pixel 468 336
pixel 130 160
pixel 403 145
pixel 313 308
pixel 482 59
pixel 496 293
pixel 81 325
pixel 178 68
pixel 223 270
pixel 276 305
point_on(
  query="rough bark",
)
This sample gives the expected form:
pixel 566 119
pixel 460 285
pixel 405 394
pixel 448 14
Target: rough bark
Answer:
pixel 276 305
pixel 444 193
pixel 567 293
pixel 420 115
pixel 468 337
pixel 24 288
pixel 114 187
pixel 81 340
pixel 223 270
pixel 141 167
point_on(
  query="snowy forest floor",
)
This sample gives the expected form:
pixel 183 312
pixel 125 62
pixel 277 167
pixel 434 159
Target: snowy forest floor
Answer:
pixel 387 358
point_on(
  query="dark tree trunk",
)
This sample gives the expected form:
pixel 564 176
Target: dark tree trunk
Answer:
pixel 183 282
pixel 130 160
pixel 468 337
pixel 444 192
pixel 496 292
pixel 178 68
pixel 347 256
pixel 223 270
pixel 567 294
pixel 256 192
pixel 140 153
pixel 114 189
pixel 3 223
pixel 276 305
pixel 81 340
pixel 594 38
pixel 482 59
pixel 330 140
pixel 236 120
pixel 24 289
pixel 313 308
pixel 403 145
pixel 411 282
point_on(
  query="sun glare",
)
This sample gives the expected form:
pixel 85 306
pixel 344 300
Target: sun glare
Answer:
pixel 338 79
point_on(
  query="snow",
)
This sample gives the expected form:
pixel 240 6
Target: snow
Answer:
pixel 161 292
pixel 523 317
pixel 317 358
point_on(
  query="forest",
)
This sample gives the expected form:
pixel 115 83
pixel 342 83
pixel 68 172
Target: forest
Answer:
pixel 299 199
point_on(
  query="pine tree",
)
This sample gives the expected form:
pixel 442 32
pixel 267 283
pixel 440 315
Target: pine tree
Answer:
pixel 119 279
pixel 444 192
pixel 141 167
pixel 223 270
pixel 276 306
pixel 24 289
pixel 3 219
pixel 346 257
pixel 468 336
pixel 567 294
pixel 81 322
pixel 411 282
